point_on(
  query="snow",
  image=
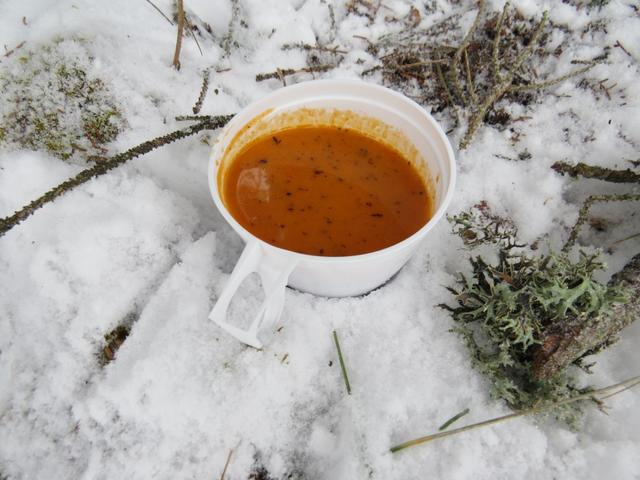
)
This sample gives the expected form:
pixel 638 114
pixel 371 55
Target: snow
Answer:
pixel 144 244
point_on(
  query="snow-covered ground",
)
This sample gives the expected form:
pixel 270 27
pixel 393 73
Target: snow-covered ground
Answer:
pixel 144 243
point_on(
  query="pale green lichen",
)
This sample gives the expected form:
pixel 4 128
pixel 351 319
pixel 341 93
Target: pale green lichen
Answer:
pixel 52 102
pixel 503 309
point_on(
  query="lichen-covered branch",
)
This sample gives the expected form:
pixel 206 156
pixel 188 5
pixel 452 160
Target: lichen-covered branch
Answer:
pixel 552 81
pixel 503 86
pixel 203 92
pixel 101 168
pixel 280 73
pixel 591 171
pixel 577 336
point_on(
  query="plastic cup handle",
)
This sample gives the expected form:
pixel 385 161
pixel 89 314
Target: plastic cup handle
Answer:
pixel 274 270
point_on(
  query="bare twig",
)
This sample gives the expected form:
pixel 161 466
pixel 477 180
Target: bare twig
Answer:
pixel 226 464
pixel 621 47
pixel 584 210
pixel 622 240
pixel 283 72
pixel 342 365
pixel 495 66
pixel 159 11
pixel 176 53
pixel 203 92
pixel 8 53
pixel 103 167
pixel 193 35
pixel 599 394
pixel 470 85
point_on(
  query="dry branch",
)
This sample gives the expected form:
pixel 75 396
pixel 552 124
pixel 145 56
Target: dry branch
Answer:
pixel 176 53
pixel 584 210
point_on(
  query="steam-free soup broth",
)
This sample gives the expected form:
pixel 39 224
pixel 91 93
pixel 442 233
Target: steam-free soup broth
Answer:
pixel 325 191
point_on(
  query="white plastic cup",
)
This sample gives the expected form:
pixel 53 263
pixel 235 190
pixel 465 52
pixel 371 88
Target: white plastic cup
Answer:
pixel 328 276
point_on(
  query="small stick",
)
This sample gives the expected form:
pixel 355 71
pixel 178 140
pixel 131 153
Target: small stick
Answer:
pixel 617 242
pixel 203 92
pixel 455 418
pixel 176 53
pixel 594 394
pixel 280 73
pixel 495 65
pixel 159 11
pixel 470 85
pixel 582 215
pixel 342 366
pixel 8 53
pixel 620 46
pixel 448 93
pixel 226 464
pixel 193 35
pixel 591 171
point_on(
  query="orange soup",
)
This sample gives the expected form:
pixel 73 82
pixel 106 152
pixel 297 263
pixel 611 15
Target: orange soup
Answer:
pixel 325 190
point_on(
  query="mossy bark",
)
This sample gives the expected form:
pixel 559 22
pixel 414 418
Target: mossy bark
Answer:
pixel 579 336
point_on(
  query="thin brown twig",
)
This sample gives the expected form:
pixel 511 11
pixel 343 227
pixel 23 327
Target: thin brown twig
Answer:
pixel 584 210
pixel 226 464
pixel 622 240
pixel 8 53
pixel 601 393
pixel 193 35
pixel 447 93
pixel 159 11
pixel 455 77
pixel 470 84
pixel 495 65
pixel 176 53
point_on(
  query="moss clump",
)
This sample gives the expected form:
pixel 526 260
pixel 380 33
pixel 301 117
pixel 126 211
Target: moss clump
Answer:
pixel 505 309
pixel 52 102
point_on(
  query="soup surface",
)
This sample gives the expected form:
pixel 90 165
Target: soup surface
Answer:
pixel 325 190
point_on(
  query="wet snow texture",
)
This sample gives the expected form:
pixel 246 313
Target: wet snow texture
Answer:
pixel 145 244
